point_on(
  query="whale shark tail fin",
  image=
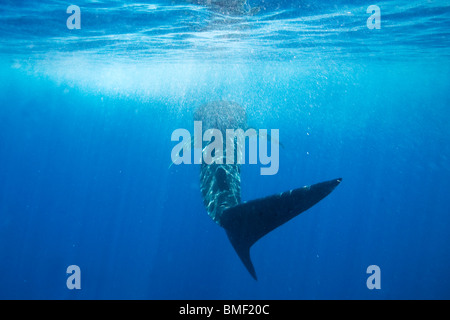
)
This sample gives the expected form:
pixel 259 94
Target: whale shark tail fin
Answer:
pixel 247 222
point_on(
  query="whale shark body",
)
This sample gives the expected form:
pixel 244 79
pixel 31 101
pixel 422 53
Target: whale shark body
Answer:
pixel 246 222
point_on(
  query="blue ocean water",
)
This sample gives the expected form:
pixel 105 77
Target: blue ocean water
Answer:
pixel 86 117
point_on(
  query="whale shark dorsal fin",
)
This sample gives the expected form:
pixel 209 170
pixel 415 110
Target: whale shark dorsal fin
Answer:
pixel 246 223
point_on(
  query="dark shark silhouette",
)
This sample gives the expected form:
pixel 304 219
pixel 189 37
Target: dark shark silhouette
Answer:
pixel 246 222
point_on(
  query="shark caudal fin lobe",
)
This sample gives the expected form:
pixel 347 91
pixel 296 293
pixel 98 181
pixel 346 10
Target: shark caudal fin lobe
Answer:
pixel 246 223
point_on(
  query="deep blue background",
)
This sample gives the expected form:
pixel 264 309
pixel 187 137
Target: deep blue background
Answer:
pixel 85 180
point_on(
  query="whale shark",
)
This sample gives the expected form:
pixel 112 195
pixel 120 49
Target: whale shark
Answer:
pixel 220 184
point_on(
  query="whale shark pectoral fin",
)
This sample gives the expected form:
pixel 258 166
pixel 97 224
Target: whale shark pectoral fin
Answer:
pixel 246 223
